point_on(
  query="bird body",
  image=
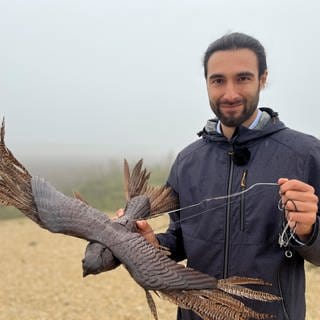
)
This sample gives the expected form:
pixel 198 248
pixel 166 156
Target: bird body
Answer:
pixel 147 265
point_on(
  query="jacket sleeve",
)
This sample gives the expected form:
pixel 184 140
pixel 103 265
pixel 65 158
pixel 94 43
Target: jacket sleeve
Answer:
pixel 310 251
pixel 172 238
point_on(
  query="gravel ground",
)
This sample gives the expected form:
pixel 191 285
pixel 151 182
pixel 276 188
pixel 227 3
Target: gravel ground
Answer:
pixel 41 279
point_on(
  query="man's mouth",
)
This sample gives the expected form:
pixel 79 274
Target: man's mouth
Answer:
pixel 230 105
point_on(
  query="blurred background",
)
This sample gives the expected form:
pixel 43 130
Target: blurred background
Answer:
pixel 93 80
pixel 84 84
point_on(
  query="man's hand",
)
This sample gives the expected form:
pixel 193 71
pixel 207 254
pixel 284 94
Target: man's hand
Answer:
pixel 144 229
pixel 300 204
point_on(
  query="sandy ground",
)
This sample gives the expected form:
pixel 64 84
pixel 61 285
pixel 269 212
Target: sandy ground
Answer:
pixel 41 279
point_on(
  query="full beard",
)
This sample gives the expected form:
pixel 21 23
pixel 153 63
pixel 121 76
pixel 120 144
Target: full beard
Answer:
pixel 230 120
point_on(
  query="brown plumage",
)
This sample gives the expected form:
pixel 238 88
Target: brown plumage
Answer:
pixel 113 242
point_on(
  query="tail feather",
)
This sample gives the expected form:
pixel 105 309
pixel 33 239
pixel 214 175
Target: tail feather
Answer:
pixel 244 280
pixel 152 305
pixel 213 305
pixel 15 182
pixel 246 292
pixel 224 299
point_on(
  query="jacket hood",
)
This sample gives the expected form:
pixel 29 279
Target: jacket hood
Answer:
pixel 269 123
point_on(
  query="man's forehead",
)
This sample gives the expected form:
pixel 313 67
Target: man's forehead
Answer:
pixel 234 61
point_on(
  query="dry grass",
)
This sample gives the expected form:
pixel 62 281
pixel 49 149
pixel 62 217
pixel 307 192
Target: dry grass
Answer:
pixel 41 279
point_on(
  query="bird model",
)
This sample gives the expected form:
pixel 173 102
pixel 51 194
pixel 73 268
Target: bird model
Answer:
pixel 116 241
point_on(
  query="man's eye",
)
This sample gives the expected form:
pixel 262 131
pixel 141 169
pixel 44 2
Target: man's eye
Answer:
pixel 217 82
pixel 244 79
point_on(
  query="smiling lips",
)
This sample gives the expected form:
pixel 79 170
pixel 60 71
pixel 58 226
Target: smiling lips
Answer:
pixel 231 106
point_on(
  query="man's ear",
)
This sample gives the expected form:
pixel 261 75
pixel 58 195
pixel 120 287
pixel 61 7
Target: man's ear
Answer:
pixel 263 79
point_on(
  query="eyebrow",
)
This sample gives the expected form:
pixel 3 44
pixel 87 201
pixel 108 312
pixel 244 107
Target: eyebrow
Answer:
pixel 240 74
pixel 216 75
pixel 245 73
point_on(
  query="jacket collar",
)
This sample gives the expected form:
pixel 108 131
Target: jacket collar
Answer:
pixel 269 123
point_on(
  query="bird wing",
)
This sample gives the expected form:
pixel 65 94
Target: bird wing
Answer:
pixel 210 298
pixel 153 270
pixel 59 213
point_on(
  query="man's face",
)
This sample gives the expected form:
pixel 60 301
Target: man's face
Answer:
pixel 234 85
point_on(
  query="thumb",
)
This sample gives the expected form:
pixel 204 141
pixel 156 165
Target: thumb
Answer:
pixel 120 212
pixel 281 181
pixel 146 231
pixel 143 226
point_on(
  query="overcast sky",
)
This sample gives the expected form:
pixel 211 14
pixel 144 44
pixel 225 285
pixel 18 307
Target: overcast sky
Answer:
pixel 125 77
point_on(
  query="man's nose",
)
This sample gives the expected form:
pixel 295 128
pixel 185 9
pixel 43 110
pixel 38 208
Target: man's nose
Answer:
pixel 231 93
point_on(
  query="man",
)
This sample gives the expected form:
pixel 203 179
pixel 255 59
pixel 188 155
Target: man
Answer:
pixel 243 146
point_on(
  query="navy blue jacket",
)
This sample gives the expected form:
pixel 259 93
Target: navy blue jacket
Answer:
pixel 239 235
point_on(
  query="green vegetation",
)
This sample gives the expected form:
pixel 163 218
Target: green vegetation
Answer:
pixel 9 213
pixel 106 192
pixel 102 187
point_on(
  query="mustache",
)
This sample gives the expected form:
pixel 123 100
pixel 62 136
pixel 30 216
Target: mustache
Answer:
pixel 231 102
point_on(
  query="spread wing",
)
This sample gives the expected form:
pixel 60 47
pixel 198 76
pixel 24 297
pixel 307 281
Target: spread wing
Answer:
pixel 61 214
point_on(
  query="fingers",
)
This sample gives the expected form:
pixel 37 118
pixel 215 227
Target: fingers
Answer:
pixel 286 185
pixel 119 213
pixel 301 218
pixel 146 231
pixel 300 204
pixel 307 205
pixel 143 227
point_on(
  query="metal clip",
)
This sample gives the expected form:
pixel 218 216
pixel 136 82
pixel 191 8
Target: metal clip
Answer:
pixel 288 254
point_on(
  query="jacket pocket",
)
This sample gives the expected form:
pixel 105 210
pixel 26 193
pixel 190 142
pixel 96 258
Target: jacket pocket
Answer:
pixel 284 309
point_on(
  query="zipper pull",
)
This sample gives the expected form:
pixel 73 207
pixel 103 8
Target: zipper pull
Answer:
pixel 243 182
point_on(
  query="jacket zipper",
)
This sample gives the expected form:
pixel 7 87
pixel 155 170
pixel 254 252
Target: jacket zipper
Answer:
pixel 243 185
pixel 227 224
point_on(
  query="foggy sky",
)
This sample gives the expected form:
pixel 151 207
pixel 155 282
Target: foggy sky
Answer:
pixel 105 78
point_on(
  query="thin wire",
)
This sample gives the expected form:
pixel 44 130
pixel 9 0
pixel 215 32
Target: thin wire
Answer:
pixel 284 240
pixel 209 209
pixel 202 202
pixel 288 233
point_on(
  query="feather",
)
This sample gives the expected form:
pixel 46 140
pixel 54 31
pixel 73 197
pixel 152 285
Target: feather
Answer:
pixel 126 175
pixel 152 305
pixel 78 196
pixel 246 292
pixel 243 280
pixel 161 198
